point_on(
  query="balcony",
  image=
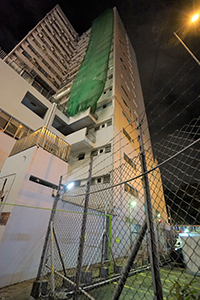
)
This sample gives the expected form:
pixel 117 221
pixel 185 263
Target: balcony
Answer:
pixel 81 139
pixel 45 139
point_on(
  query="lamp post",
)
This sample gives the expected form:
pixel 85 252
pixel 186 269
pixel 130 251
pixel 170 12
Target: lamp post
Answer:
pixel 131 204
pixel 193 19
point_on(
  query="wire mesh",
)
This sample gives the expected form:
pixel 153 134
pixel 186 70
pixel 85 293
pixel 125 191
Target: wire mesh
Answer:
pixel 117 212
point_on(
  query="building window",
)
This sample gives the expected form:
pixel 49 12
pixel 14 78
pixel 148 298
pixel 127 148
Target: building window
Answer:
pixel 103 179
pixel 34 105
pixel 92 181
pixel 81 156
pixel 94 153
pixel 4 120
pixel 123 89
pixel 129 161
pixel 109 123
pixel 106 178
pixel 103 106
pixel 131 190
pixel 125 103
pixel 127 135
pixel 103 125
pixel 26 54
pixel 12 127
pixel 108 148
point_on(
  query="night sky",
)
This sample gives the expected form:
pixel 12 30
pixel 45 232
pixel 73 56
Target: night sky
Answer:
pixel 170 77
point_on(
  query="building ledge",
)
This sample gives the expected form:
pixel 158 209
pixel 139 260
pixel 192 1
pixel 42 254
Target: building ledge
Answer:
pixel 80 140
pixel 82 119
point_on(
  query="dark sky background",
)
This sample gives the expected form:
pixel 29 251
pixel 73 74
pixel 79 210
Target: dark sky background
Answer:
pixel 170 77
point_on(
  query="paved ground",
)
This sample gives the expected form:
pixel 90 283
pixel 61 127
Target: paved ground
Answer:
pixel 20 291
pixel 137 287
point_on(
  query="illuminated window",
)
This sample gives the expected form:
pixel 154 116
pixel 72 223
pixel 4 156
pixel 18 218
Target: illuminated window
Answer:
pixel 4 119
pixel 12 127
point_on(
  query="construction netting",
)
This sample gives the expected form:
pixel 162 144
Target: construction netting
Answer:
pixel 90 80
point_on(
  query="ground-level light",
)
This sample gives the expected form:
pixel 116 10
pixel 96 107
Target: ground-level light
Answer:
pixel 133 203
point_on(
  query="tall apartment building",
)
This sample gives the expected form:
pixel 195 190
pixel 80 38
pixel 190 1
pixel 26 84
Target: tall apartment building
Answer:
pixel 85 91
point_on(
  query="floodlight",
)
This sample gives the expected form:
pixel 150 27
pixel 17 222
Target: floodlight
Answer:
pixel 70 185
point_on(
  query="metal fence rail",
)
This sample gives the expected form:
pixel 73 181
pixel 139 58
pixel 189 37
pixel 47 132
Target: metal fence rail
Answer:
pixel 46 139
pixel 122 255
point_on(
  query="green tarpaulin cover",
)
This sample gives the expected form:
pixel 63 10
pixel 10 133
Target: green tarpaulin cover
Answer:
pixel 90 80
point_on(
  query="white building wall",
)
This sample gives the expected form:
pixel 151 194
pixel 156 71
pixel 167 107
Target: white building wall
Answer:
pixel 6 144
pixel 12 91
pixel 29 205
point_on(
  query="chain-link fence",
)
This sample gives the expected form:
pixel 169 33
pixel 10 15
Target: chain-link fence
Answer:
pixel 133 233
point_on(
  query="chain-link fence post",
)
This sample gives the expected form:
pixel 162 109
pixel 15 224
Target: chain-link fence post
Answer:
pixel 82 236
pixel 37 285
pixel 155 269
pixel 52 261
pixel 130 261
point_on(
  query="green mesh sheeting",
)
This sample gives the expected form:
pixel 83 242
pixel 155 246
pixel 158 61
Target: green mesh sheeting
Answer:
pixel 90 80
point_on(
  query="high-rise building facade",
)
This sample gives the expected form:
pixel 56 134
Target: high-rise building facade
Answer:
pixel 86 91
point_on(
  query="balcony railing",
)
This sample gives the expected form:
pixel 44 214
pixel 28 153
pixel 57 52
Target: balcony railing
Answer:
pixel 45 139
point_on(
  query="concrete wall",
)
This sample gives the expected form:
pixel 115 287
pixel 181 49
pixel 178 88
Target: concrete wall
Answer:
pixel 12 90
pixel 29 205
pixel 6 145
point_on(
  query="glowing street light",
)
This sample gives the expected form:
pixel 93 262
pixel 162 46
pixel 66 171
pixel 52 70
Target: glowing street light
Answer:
pixel 70 185
pixel 193 19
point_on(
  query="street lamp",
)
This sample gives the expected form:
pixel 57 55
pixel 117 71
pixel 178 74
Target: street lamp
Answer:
pixel 70 185
pixel 193 19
